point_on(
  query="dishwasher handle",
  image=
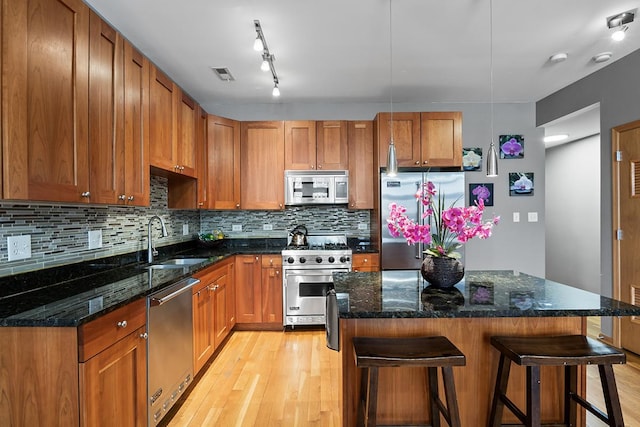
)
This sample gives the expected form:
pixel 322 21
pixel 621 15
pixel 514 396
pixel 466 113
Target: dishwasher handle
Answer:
pixel 173 291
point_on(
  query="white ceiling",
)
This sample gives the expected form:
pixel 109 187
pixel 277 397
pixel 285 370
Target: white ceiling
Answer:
pixel 339 50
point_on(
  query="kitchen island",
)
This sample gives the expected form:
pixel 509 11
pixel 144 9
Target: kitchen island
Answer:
pixel 484 303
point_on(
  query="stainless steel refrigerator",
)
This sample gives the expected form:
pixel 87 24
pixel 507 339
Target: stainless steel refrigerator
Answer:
pixel 401 189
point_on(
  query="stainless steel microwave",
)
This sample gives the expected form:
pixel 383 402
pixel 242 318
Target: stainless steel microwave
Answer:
pixel 316 187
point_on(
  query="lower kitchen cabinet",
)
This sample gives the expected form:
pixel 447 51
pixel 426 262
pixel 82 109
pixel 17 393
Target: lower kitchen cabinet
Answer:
pixel 259 291
pixel 365 262
pixel 212 316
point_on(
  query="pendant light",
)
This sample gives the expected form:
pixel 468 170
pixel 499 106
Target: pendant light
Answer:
pixel 392 161
pixel 492 154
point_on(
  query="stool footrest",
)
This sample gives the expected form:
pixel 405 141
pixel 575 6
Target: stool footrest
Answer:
pixel 591 408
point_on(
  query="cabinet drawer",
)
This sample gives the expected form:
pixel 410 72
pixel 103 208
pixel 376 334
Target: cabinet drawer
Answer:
pixel 95 336
pixel 366 262
pixel 271 261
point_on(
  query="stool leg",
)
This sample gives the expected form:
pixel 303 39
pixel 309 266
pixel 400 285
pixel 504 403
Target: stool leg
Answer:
pixel 495 416
pixel 533 396
pixel 570 390
pixel 450 391
pixel 611 398
pixel 372 398
pixel 362 399
pixel 432 384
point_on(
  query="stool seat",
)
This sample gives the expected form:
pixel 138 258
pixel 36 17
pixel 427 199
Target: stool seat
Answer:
pixel 557 350
pixel 569 351
pixel 371 353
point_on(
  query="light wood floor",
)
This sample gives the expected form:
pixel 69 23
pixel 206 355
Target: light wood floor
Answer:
pixel 291 379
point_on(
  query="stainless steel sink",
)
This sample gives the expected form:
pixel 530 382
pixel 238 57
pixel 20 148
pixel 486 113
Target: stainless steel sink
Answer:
pixel 175 263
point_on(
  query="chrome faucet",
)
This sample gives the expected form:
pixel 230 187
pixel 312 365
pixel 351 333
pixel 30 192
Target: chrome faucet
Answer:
pixel 151 251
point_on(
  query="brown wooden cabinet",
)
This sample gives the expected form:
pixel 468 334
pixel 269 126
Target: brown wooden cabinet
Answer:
pixel 300 144
pixel 272 289
pixel 212 320
pixel 222 175
pixel 259 290
pixel 163 106
pixel 361 169
pixel 365 262
pixel 421 139
pixel 45 92
pixel 262 165
pixel 332 151
pixel 185 145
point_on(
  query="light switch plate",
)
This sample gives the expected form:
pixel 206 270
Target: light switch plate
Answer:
pixel 19 247
pixel 267 227
pixel 236 227
pixel 95 304
pixel 95 239
pixel 516 217
pixel 362 226
pixel 532 216
pixel 185 229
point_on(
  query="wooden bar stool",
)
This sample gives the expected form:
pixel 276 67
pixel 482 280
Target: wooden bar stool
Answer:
pixel 372 353
pixel 568 351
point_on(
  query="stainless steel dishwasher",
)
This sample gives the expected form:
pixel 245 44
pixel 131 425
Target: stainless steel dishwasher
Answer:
pixel 170 347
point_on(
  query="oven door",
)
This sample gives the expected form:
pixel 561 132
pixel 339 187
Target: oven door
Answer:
pixel 306 290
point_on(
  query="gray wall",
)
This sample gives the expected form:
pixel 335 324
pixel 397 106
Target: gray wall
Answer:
pixel 617 90
pixel 517 246
pixel 573 214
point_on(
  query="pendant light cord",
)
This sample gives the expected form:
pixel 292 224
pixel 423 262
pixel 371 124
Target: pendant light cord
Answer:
pixel 491 62
pixel 391 67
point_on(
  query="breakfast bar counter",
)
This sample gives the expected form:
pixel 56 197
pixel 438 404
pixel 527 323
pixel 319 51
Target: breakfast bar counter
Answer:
pixel 484 303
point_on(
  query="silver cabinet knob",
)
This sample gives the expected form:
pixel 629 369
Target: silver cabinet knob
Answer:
pixel 144 335
pixel 417 162
pixel 122 197
pixel 122 324
pixel 130 198
pixel 86 194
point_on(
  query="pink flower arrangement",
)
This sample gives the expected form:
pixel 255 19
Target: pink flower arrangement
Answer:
pixel 453 226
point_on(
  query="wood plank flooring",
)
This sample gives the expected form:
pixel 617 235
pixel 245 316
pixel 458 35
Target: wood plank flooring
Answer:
pixel 292 379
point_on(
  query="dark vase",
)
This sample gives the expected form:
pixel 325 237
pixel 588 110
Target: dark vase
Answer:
pixel 443 272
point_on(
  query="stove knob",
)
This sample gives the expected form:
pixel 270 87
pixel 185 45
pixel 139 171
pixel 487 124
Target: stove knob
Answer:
pixel 344 259
pixel 319 260
pixel 290 260
pixel 302 260
pixel 331 259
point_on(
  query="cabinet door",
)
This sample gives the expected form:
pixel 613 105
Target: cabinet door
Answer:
pixel 113 384
pixel 202 162
pixel 162 121
pixel 136 126
pixel 406 137
pixel 366 262
pixel 300 145
pixel 272 289
pixel 231 296
pixel 441 135
pixel 248 289
pixel 361 170
pixel 262 165
pixel 185 145
pixel 223 155
pixel 106 119
pixel 203 311
pixel 45 71
pixel 220 317
pixel 332 152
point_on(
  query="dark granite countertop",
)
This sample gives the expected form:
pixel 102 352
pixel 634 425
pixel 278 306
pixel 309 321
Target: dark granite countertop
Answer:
pixel 74 294
pixel 404 294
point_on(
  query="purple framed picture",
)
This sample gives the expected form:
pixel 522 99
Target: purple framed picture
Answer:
pixel 521 183
pixel 481 191
pixel 511 146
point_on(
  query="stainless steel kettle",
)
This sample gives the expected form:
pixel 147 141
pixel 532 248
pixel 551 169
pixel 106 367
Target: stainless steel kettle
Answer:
pixel 299 236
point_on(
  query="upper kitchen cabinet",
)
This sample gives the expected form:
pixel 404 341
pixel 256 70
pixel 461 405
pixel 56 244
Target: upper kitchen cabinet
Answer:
pixel 421 139
pixel 222 177
pixel 441 138
pixel 300 144
pixel 118 119
pixel 262 165
pixel 361 170
pixel 332 151
pixel 173 117
pixel 45 73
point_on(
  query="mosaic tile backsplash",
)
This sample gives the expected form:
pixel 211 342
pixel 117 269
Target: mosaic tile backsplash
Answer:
pixel 59 233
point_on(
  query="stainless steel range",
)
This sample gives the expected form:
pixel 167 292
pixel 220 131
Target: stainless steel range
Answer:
pixel 307 275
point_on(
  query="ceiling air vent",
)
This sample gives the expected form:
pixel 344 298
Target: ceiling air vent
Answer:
pixel 223 74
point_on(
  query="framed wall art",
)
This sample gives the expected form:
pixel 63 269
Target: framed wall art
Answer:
pixel 472 159
pixel 481 191
pixel 511 146
pixel 521 183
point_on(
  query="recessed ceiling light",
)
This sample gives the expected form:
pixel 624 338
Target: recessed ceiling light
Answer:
pixel 558 57
pixel 602 57
pixel 555 138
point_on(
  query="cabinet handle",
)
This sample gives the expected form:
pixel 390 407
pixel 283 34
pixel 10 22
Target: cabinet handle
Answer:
pixel 280 205
pixel 86 194
pixel 365 260
pixel 238 206
pixel 425 162
pixel 312 166
pixel 200 203
pixel 122 197
pixel 319 166
pixel 144 335
pixel 122 324
pixel 417 162
pixel 130 198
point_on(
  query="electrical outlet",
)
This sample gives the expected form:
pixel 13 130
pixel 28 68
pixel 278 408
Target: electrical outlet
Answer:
pixel 95 304
pixel 95 239
pixel 516 217
pixel 236 227
pixel 532 216
pixel 267 227
pixel 185 229
pixel 19 247
pixel 362 226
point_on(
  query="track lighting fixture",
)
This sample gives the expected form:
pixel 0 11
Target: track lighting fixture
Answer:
pixel 267 57
pixel 620 23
